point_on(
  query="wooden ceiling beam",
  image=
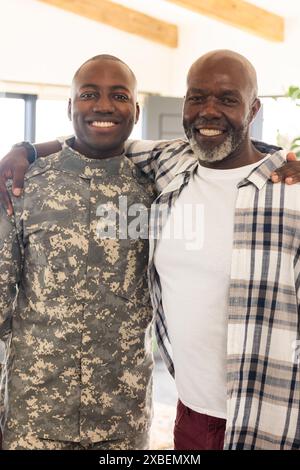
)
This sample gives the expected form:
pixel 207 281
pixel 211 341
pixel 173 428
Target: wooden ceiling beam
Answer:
pixel 241 14
pixel 122 18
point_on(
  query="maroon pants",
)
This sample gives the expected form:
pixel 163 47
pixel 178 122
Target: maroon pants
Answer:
pixel 195 431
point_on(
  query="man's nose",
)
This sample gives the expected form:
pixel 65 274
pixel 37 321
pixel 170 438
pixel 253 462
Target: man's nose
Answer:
pixel 210 109
pixel 104 105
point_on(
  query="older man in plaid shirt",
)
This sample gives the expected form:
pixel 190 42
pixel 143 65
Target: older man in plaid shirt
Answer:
pixel 226 301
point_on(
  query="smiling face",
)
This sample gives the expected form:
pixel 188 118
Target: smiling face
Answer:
pixel 219 106
pixel 103 107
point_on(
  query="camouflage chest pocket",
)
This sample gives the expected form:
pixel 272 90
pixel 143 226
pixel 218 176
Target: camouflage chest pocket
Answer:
pixel 124 258
pixel 48 270
pixel 122 267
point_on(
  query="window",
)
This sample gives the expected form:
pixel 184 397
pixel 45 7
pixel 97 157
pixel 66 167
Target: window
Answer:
pixel 25 117
pixel 17 119
pixel 12 122
pixel 281 118
pixel 52 120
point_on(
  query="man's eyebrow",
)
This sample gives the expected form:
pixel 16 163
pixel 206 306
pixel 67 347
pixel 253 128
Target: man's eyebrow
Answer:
pixel 196 90
pixel 230 92
pixel 88 85
pixel 120 87
pixel 114 87
pixel 225 91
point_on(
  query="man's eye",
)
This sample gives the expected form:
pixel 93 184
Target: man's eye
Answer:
pixel 121 97
pixel 196 99
pixel 228 100
pixel 87 95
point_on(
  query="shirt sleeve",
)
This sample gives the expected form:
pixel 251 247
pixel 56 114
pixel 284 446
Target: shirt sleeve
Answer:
pixel 10 270
pixel 264 147
pixel 147 154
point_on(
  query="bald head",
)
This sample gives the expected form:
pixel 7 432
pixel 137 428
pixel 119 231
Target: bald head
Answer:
pixel 228 62
pixel 105 59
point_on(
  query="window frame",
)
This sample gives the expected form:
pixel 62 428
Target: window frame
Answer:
pixel 29 112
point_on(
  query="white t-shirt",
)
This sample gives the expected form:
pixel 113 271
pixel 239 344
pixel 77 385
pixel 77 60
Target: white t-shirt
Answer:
pixel 193 260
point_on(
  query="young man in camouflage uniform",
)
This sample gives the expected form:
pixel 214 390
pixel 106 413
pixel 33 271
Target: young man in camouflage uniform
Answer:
pixel 77 304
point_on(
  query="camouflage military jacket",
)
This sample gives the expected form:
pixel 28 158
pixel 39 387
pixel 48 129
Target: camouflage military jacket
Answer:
pixel 78 303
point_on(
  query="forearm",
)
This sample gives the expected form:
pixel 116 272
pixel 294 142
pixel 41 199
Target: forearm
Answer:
pixel 47 148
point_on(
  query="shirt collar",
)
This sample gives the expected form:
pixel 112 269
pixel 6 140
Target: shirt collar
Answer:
pixel 187 162
pixel 71 161
pixel 258 176
pixel 261 174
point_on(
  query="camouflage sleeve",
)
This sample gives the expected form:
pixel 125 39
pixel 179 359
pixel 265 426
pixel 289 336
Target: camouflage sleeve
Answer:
pixel 10 270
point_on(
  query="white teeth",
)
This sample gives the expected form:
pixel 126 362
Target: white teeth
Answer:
pixel 103 124
pixel 210 132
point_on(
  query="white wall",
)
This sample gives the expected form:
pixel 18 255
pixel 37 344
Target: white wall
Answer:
pixel 277 64
pixel 43 44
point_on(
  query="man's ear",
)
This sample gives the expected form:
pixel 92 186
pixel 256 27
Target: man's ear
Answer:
pixel 255 108
pixel 70 109
pixel 137 113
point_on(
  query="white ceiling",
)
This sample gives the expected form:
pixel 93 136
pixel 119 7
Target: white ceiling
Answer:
pixel 172 13
pixel 54 57
pixel 286 8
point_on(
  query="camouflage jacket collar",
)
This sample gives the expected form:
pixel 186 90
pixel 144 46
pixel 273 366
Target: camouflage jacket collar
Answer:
pixel 72 161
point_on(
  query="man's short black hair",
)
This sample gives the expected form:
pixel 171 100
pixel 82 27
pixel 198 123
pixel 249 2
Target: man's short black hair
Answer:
pixel 105 57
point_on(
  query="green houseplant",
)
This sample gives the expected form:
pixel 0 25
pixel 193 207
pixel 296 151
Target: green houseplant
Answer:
pixel 294 93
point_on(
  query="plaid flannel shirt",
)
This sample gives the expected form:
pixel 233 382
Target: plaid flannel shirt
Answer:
pixel 263 381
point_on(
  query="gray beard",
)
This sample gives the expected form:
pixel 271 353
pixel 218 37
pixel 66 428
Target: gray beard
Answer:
pixel 220 152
